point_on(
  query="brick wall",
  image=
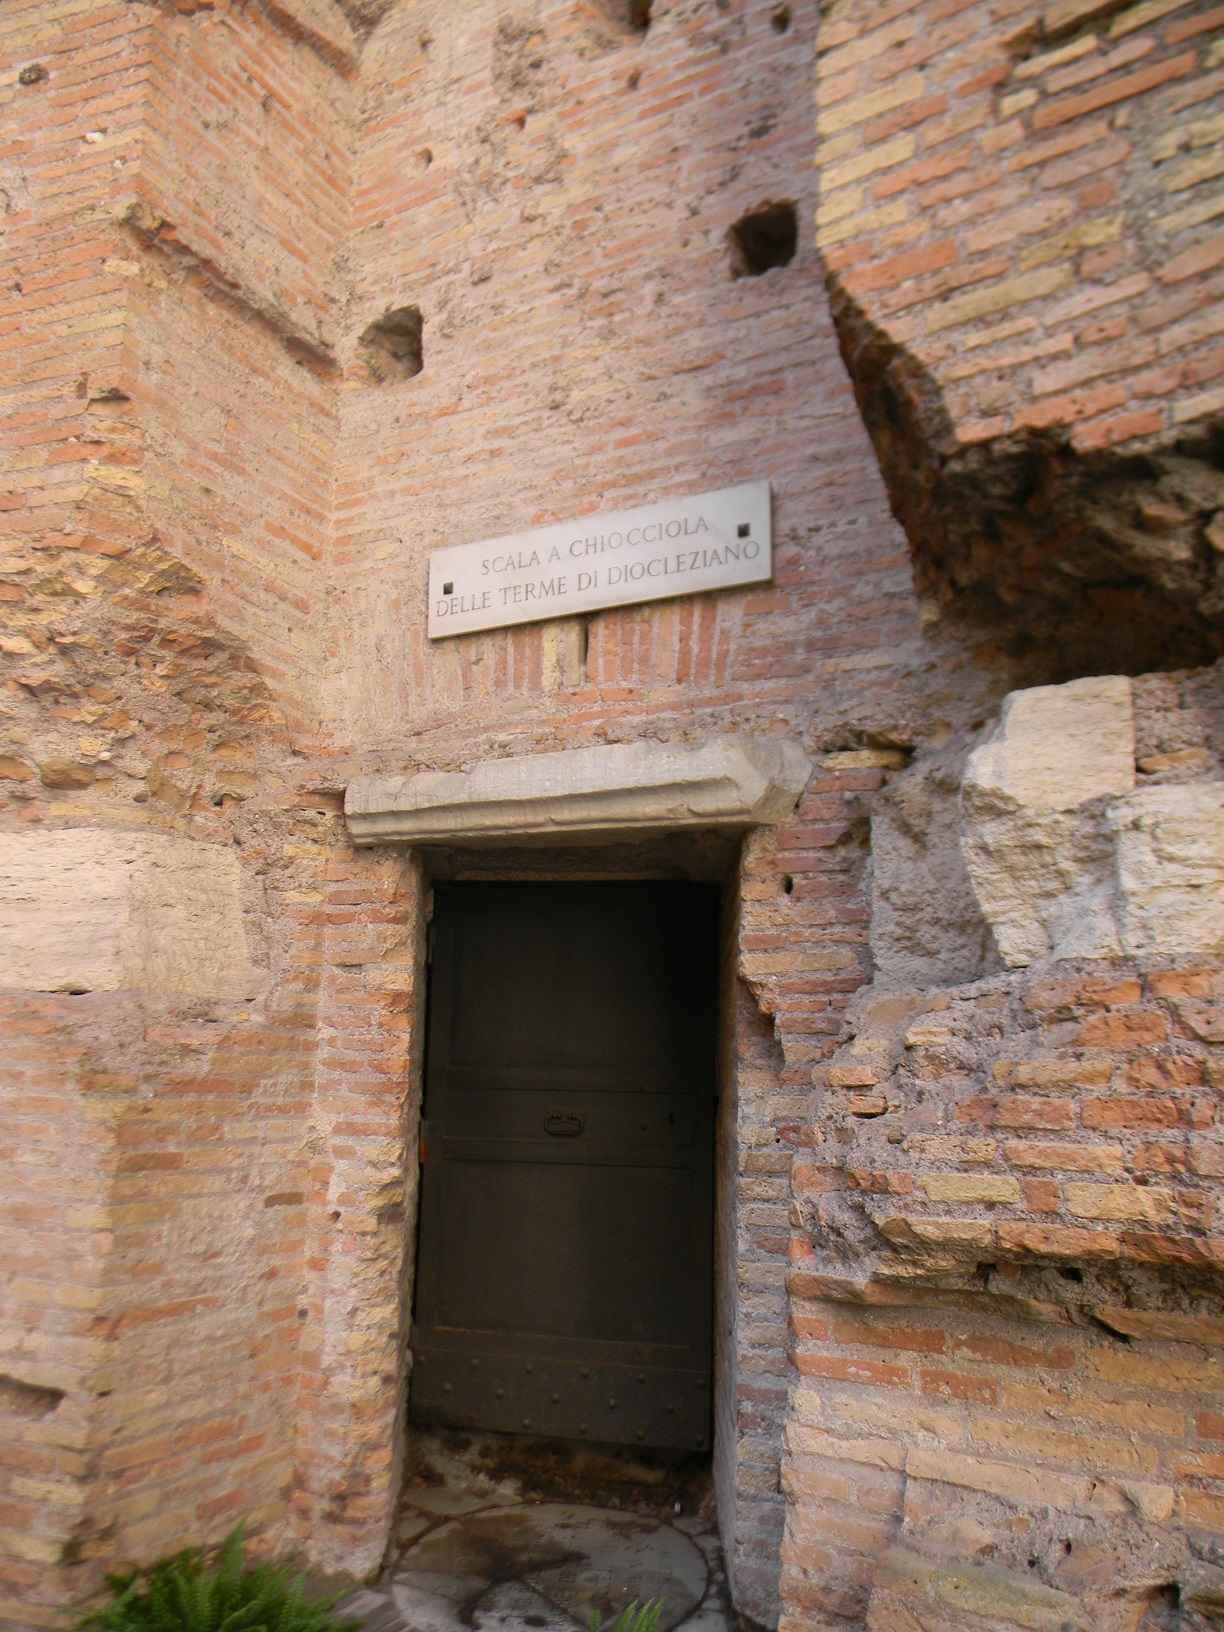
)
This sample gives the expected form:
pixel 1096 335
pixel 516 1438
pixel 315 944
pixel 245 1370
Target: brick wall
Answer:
pixel 555 199
pixel 1023 195
pixel 361 1176
pixel 165 493
pixel 1007 1318
pixel 232 228
pixel 1019 219
pixel 216 524
pixel 54 1151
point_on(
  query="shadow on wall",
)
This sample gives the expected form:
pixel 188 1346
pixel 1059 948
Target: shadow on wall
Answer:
pixel 764 238
pixel 392 347
pixel 1073 563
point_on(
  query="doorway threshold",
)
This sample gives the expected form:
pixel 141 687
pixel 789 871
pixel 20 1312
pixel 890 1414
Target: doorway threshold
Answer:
pixel 502 1533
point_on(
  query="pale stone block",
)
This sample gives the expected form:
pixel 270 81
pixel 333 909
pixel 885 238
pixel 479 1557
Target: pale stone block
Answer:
pixel 1008 1598
pixel 952 1233
pixel 1014 1482
pixel 1056 747
pixel 614 790
pixel 88 910
pixel 1120 1202
pixel 1041 866
pixel 1170 863
pixel 1066 858
pixel 1044 881
pixel 985 1188
pixel 876 1453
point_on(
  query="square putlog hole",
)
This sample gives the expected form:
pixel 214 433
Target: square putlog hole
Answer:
pixel 764 238
pixel 629 16
pixel 391 347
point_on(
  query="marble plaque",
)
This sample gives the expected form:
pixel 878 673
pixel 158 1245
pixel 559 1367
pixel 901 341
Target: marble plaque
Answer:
pixel 680 547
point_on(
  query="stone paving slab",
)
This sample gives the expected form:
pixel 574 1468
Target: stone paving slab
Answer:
pixel 547 1567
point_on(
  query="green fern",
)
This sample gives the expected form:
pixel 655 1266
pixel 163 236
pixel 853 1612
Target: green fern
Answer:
pixel 187 1594
pixel 634 1617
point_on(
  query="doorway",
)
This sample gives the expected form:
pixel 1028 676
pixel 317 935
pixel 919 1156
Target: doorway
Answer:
pixel 565 1258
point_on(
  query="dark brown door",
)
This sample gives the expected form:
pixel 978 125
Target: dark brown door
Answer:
pixel 565 1265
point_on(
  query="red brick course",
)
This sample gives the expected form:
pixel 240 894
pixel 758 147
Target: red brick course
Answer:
pixel 1044 172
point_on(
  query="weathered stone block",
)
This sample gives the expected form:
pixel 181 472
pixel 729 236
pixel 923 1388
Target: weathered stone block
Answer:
pixel 1058 746
pixel 1065 857
pixel 85 910
pixel 1040 866
pixel 1170 865
pixel 1044 882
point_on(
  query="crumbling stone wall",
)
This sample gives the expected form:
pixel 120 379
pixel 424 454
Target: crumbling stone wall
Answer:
pixel 1008 1316
pixel 1012 1168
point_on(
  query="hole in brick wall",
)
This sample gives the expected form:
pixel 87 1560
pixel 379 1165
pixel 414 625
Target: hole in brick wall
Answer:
pixel 1164 1612
pixel 764 238
pixel 633 16
pixel 781 19
pixel 788 884
pixel 391 347
pixel 18 1399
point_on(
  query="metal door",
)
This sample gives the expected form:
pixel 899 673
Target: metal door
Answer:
pixel 565 1262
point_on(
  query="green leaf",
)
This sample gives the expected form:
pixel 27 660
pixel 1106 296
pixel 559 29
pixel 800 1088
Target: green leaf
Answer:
pixel 185 1593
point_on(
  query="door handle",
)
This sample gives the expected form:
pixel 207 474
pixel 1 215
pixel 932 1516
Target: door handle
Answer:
pixel 564 1124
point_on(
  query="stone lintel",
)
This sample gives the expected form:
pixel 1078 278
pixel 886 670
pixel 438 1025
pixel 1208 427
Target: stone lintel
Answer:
pixel 622 788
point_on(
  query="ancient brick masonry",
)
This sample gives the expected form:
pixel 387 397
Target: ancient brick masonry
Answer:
pixel 801 964
pixel 1019 216
pixel 1025 196
pixel 994 1181
pixel 1029 1369
pixel 153 1203
pixel 521 182
pixel 208 207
